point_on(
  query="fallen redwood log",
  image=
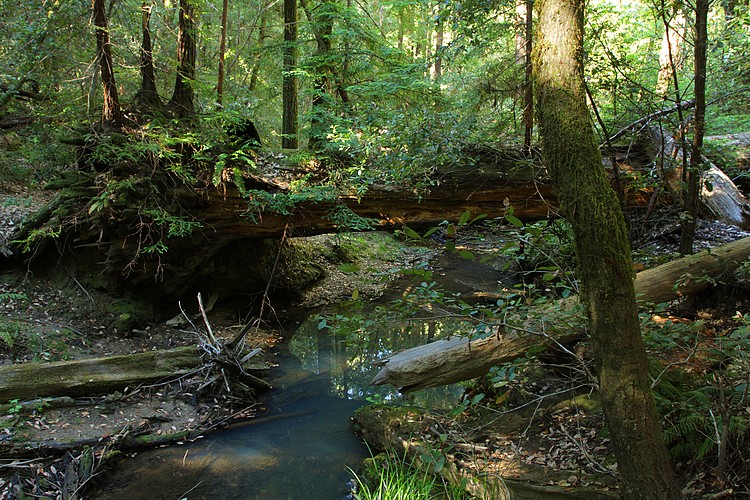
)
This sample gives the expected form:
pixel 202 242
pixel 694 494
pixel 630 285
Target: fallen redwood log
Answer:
pixel 456 359
pixel 87 377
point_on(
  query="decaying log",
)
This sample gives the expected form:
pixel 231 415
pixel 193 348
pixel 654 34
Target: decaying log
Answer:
pixel 720 198
pixel 453 360
pixel 87 377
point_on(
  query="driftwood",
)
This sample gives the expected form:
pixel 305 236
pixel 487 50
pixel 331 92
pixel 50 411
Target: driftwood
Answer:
pixel 448 361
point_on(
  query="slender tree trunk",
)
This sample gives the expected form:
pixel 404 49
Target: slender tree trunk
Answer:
pixel 321 98
pixel 111 112
pixel 147 96
pixel 439 35
pixel 528 101
pixel 670 55
pixel 222 53
pixel 699 123
pixel 262 34
pixel 604 264
pixel 182 101
pixel 289 123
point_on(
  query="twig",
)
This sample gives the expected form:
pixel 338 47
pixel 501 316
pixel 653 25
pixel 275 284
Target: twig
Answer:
pixel 211 336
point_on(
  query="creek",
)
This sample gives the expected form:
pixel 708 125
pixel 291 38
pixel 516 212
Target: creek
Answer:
pixel 301 445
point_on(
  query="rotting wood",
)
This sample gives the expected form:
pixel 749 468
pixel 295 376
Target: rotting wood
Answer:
pixel 720 198
pixel 86 377
pixel 453 360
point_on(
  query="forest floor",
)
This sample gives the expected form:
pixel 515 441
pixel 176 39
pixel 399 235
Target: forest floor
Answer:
pixel 42 321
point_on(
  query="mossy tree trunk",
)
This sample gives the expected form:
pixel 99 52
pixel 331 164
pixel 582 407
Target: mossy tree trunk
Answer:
pixel 604 264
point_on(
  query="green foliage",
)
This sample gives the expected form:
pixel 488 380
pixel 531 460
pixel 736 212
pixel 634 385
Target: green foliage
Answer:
pixel 388 477
pixel 705 413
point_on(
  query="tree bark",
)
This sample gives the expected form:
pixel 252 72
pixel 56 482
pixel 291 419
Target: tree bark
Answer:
pixel 670 55
pixel 182 101
pixel 289 124
pixel 693 190
pixel 453 360
pixel 111 112
pixel 323 28
pixel 147 96
pixel 222 53
pixel 87 377
pixel 602 250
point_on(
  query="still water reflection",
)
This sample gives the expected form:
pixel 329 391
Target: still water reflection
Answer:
pixel 301 447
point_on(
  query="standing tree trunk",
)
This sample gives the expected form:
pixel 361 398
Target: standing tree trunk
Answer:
pixel 602 250
pixel 439 35
pixel 147 96
pixel 699 123
pixel 289 123
pixel 111 112
pixel 262 34
pixel 670 54
pixel 222 53
pixel 528 100
pixel 182 99
pixel 323 28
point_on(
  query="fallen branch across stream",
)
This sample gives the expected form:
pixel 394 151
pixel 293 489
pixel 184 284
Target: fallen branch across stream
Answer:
pixel 453 360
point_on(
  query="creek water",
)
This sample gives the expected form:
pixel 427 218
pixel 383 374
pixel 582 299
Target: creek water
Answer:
pixel 301 446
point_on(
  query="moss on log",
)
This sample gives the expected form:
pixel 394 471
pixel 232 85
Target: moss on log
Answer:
pixel 87 377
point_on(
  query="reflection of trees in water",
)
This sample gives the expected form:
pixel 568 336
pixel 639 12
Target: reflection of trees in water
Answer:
pixel 348 354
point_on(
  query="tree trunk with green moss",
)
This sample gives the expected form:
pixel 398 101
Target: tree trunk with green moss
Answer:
pixel 604 264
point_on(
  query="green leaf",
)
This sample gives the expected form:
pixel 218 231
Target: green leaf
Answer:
pixel 348 267
pixel 464 218
pixel 355 294
pixel 322 324
pixel 410 233
pixel 513 220
pixel 466 255
pixel 478 217
pixel 431 232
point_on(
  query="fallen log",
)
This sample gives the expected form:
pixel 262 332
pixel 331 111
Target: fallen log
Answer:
pixel 456 359
pixel 720 199
pixel 88 377
pixel 92 376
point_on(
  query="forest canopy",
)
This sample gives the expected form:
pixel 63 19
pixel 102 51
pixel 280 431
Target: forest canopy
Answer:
pixel 410 80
